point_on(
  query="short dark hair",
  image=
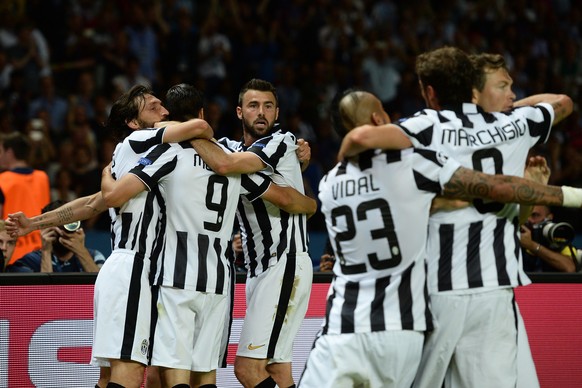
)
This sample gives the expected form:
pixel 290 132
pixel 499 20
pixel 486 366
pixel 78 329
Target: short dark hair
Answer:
pixel 125 109
pixel 450 72
pixel 486 62
pixel 260 85
pixel 18 143
pixel 184 102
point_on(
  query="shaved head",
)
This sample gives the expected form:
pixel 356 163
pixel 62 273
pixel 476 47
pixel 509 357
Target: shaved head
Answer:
pixel 357 107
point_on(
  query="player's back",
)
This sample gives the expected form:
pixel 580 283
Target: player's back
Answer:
pixel 478 246
pixel 198 207
pixel 376 212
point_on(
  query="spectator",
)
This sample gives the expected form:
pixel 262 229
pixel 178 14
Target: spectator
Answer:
pixel 63 250
pixel 214 51
pixel 7 245
pixel 62 188
pixel 22 188
pixel 49 101
pixel 546 248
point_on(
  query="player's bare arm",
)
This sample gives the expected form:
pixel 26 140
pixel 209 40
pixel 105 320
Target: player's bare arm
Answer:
pixel 387 136
pixel 227 164
pixel 18 224
pixel 290 200
pixel 561 103
pixel 117 192
pixel 467 184
pixel 195 128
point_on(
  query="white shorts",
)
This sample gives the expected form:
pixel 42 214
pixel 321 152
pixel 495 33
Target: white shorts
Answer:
pixel 189 329
pixel 277 301
pixel 378 359
pixel 122 310
pixel 474 342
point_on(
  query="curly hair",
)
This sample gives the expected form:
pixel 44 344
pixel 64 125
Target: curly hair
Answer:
pixel 450 72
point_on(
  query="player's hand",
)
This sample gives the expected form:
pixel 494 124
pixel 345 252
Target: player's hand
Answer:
pixel 303 153
pixel 537 170
pixel 18 224
pixel 326 262
pixel 237 243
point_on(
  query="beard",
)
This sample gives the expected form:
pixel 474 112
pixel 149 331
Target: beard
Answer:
pixel 143 124
pixel 253 131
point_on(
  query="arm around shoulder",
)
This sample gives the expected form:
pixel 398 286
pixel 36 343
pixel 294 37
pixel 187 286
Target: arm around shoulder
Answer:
pixel 562 104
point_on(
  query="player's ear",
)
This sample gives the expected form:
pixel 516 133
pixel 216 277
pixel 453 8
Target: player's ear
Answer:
pixel 133 124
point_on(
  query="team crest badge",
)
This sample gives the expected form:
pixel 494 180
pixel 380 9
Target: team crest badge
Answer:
pixel 144 347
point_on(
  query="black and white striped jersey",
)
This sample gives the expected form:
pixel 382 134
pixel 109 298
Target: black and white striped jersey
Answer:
pixel 268 232
pixel 199 208
pixel 478 246
pixel 135 225
pixel 376 212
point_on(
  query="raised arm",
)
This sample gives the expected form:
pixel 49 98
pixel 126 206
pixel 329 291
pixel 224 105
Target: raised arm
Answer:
pixel 227 164
pixel 561 103
pixel 290 200
pixel 117 192
pixel 18 224
pixel 387 136
pixel 195 128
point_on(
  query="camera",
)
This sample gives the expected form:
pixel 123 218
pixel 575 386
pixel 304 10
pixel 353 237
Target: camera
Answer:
pixel 555 236
pixel 72 227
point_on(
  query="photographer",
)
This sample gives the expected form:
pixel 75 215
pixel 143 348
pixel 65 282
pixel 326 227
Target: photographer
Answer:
pixel 63 250
pixel 547 246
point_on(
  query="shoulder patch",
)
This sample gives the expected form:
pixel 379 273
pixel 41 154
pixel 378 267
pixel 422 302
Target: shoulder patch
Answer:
pixel 144 161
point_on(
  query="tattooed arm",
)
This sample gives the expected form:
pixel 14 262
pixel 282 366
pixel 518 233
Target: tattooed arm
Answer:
pixel 18 224
pixel 561 103
pixel 468 184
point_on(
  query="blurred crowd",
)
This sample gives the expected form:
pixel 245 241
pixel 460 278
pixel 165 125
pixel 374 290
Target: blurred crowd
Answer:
pixel 63 62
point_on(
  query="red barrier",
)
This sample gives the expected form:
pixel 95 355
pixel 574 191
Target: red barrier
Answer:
pixel 46 333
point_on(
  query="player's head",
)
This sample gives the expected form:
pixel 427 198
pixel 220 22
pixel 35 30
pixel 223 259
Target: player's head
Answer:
pixel 446 77
pixel 492 90
pixel 184 102
pixel 257 108
pixel 353 108
pixel 136 109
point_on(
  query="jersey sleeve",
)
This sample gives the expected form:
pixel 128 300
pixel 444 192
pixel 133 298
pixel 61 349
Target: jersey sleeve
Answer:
pixel 539 119
pixel 432 170
pixel 272 149
pixel 159 162
pixel 142 140
pixel 253 186
pixel 418 128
